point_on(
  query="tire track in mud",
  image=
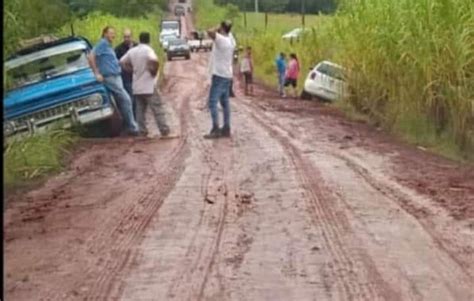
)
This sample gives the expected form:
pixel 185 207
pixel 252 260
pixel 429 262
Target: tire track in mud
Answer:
pixel 118 241
pixel 191 281
pixel 399 197
pixel 355 273
pixel 171 173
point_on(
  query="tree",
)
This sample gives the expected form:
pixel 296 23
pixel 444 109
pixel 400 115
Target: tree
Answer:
pixel 24 19
pixel 232 12
pixel 278 6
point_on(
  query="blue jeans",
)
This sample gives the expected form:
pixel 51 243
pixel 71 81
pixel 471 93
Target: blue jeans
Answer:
pixel 220 90
pixel 281 83
pixel 128 87
pixel 123 100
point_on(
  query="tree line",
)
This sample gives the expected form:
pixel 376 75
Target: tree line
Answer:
pixel 280 6
pixel 25 19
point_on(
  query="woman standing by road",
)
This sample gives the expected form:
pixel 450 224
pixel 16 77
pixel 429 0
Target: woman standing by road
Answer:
pixel 292 73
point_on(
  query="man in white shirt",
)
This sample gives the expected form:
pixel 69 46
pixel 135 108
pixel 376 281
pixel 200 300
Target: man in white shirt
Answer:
pixel 222 73
pixel 142 61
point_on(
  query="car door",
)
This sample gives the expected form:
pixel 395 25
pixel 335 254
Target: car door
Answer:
pixel 324 80
pixel 337 81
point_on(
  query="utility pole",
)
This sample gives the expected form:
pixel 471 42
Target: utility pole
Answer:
pixel 256 6
pixel 303 12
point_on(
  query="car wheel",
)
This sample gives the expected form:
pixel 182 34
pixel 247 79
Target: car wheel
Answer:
pixel 306 96
pixel 170 58
pixel 188 57
pixel 114 124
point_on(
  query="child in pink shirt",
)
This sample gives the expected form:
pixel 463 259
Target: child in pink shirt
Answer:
pixel 292 73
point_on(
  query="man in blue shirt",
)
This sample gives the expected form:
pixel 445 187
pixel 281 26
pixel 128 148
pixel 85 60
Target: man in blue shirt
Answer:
pixel 107 69
pixel 281 69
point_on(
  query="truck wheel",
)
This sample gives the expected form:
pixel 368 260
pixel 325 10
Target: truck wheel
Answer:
pixel 107 128
pixel 114 124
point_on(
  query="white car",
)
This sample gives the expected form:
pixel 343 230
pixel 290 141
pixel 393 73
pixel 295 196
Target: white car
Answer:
pixel 294 34
pixel 326 81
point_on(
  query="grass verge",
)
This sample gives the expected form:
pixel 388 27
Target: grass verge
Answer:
pixel 34 157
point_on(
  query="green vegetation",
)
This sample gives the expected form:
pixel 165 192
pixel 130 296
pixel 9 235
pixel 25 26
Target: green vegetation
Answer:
pixel 292 6
pixel 411 62
pixel 24 19
pixel 91 26
pixel 35 156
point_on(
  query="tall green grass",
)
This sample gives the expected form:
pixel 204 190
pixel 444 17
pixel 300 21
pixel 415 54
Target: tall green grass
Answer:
pixel 91 27
pixel 35 156
pixel 411 63
pixel 412 66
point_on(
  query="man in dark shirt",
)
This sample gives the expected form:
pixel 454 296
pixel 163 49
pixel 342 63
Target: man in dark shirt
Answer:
pixel 120 51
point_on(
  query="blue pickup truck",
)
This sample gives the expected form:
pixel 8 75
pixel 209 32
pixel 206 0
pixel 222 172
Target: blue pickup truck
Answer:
pixel 52 83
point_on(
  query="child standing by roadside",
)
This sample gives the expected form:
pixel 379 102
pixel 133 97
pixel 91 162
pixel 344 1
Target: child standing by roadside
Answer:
pixel 292 74
pixel 246 68
pixel 281 70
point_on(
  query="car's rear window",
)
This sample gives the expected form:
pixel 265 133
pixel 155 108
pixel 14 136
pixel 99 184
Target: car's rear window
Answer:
pixel 331 71
pixel 177 42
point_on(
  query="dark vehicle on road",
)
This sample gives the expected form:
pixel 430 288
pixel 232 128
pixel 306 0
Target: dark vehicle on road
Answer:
pixel 200 41
pixel 178 48
pixel 179 11
pixel 52 83
pixel 182 1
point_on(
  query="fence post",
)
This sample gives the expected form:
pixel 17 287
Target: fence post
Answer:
pixel 266 20
pixel 303 13
pixel 245 19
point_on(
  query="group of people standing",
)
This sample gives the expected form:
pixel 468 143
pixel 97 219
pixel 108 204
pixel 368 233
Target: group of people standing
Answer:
pixel 288 73
pixel 130 73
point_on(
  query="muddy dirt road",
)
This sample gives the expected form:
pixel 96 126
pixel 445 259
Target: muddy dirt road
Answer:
pixel 299 205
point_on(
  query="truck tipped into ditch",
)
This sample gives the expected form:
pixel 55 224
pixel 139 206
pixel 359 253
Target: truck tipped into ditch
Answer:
pixel 50 83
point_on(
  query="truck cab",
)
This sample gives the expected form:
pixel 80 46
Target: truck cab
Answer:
pixel 52 83
pixel 171 27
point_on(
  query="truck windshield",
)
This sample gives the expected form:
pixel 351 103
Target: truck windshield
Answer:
pixel 170 26
pixel 44 64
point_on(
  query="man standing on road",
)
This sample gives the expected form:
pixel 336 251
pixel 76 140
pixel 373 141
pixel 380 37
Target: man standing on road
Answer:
pixel 142 62
pixel 222 73
pixel 281 71
pixel 106 68
pixel 120 51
